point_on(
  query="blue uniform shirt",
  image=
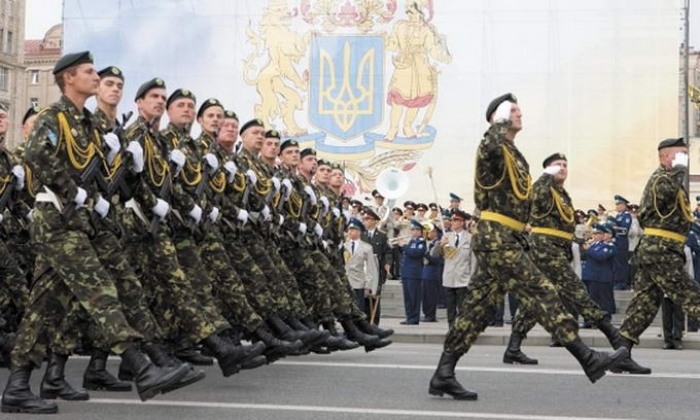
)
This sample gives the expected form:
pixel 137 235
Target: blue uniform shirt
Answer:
pixel 599 262
pixel 412 260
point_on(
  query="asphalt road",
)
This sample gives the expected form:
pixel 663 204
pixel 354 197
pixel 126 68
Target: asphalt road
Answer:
pixel 392 383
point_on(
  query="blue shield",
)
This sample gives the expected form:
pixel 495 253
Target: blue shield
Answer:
pixel 346 84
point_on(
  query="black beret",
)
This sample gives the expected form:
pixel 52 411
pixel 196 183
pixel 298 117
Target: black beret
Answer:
pixel 272 134
pixel 111 71
pixel 494 104
pixel 230 114
pixel 376 193
pixel 422 206
pixel 309 151
pixel 337 166
pixel 72 59
pixel 154 83
pixel 255 122
pixel 552 158
pixel 208 104
pixel 371 214
pixel 180 93
pixel 288 143
pixel 31 111
pixel 679 142
pixel 323 162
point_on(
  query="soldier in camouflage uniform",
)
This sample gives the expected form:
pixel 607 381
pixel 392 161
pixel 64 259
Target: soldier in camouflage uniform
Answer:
pixel 553 223
pixel 665 215
pixel 63 143
pixel 503 194
pixel 174 300
pixel 228 286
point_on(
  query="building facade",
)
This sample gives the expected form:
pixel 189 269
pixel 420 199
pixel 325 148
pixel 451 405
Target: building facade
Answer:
pixel 11 62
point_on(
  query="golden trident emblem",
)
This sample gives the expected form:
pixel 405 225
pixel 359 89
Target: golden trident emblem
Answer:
pixel 345 104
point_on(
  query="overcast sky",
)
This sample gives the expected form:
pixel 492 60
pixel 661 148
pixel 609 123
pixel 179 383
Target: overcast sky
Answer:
pixel 43 14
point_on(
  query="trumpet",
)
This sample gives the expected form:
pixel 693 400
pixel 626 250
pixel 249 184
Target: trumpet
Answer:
pixel 395 240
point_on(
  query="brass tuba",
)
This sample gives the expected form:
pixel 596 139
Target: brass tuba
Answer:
pixel 391 183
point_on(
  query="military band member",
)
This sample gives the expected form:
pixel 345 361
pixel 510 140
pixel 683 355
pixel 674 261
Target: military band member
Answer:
pixel 360 264
pixel 598 269
pixel 503 264
pixel 623 223
pixel 421 209
pixel 413 252
pixel 383 251
pixel 433 266
pixel 455 202
pixel 434 215
pixel 665 216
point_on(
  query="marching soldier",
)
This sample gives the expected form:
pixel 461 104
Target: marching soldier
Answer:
pixel 503 264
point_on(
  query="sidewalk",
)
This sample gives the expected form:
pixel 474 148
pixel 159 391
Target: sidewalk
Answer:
pixel 434 333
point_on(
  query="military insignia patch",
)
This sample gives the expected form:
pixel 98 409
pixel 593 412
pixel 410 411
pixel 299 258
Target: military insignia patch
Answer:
pixel 53 138
pixel 115 70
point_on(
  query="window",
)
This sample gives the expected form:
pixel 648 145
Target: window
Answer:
pixel 8 43
pixel 4 79
pixel 34 77
pixel 34 102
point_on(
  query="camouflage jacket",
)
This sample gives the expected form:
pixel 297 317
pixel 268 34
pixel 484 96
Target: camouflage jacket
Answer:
pixel 260 192
pixel 665 203
pixel 552 208
pixel 503 186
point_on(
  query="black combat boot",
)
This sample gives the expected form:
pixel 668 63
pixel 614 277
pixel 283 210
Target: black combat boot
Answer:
pixel 161 356
pixel 150 379
pixel 610 332
pixel 231 357
pixel 444 381
pixel 514 355
pixel 354 334
pixel 186 352
pixel 54 384
pixel 595 363
pixel 337 341
pixel 628 365
pixel 285 332
pixel 315 337
pixel 18 398
pixel 276 348
pixel 383 342
pixel 234 337
pixel 97 377
pixel 372 329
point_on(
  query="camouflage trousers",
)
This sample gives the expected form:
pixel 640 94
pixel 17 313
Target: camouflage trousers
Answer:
pixel 228 288
pixel 259 251
pixel 551 258
pixel 188 254
pixel 253 278
pixel 75 272
pixel 313 285
pixel 13 279
pixel 172 298
pixel 660 270
pixel 342 299
pixel 508 270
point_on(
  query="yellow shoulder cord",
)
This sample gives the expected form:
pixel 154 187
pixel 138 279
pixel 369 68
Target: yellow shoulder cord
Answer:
pixel 656 207
pixel 79 157
pixel 239 182
pixel 158 169
pixel 195 170
pixel 682 200
pixel 517 178
pixel 5 181
pixel 30 180
pixel 565 211
pixel 549 211
pixel 218 183
pixel 294 205
pixel 495 184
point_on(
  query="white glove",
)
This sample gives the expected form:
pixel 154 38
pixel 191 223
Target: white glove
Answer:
pixel 136 151
pixel 30 216
pixel 336 212
pixel 231 168
pixel 681 159
pixel 251 176
pixel 112 142
pixel 80 198
pixel 196 214
pixel 552 170
pixel 212 163
pixel 214 214
pixel 242 216
pixel 281 221
pixel 326 204
pixel 347 214
pixel 18 172
pixel 287 188
pixel 161 208
pixel 102 207
pixel 503 111
pixel 310 192
pixel 325 244
pixel 276 183
pixel 318 230
pixel 302 228
pixel 2 217
pixel 178 158
pixel 265 213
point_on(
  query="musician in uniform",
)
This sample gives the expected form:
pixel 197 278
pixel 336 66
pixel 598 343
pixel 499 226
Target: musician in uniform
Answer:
pixel 455 202
pixel 623 223
pixel 413 252
pixel 432 275
pixel 434 212
pixel 503 263
pixel 383 252
pixel 421 209
pixel 360 263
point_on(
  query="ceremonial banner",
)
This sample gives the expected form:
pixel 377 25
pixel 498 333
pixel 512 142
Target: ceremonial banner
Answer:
pixel 375 84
